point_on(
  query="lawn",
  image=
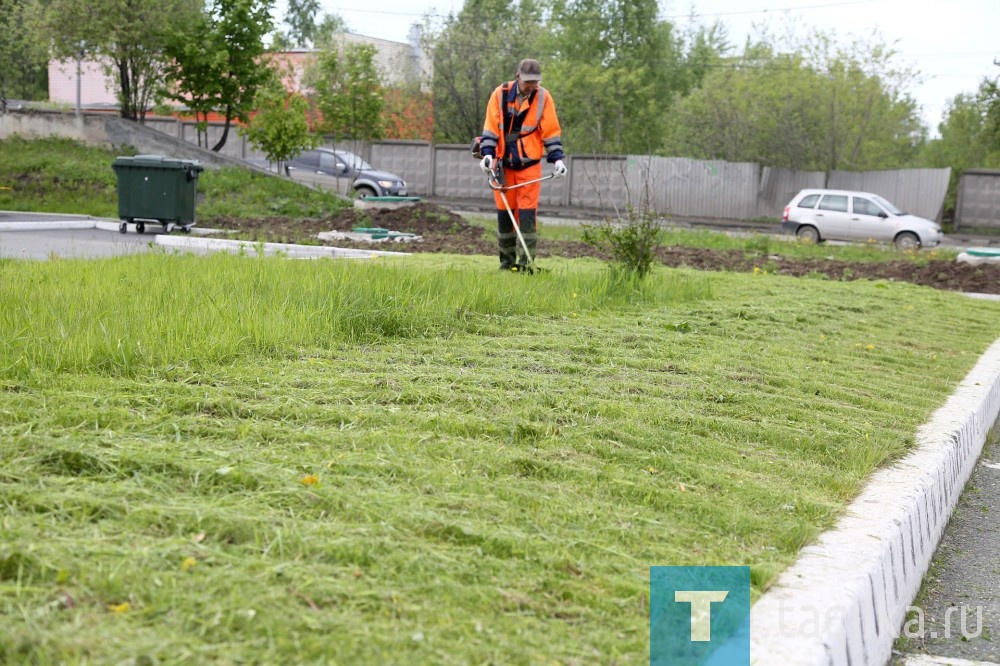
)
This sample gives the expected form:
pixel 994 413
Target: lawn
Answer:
pixel 64 176
pixel 426 461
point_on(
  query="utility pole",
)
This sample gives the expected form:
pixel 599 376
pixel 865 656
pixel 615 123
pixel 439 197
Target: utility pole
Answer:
pixel 79 58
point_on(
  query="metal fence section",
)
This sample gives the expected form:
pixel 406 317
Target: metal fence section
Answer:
pixel 698 188
pixel 669 185
pixel 978 202
pixel 598 182
pixel 778 186
pixel 917 191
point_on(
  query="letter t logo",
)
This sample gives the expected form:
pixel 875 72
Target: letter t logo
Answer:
pixel 701 610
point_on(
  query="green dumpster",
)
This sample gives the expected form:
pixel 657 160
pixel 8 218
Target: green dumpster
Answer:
pixel 155 188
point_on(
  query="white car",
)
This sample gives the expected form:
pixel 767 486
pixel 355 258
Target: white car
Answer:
pixel 819 215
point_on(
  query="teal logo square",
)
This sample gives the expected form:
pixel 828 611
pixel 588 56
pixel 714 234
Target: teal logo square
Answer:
pixel 699 616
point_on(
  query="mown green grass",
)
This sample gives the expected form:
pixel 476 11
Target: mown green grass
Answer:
pixel 63 176
pixel 243 460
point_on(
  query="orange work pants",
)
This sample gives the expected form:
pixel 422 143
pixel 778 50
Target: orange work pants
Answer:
pixel 523 202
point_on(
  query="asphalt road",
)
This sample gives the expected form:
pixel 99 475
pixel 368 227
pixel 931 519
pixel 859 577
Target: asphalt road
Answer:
pixel 956 616
pixel 69 243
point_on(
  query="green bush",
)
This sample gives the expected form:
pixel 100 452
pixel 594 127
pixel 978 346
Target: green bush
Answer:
pixel 631 241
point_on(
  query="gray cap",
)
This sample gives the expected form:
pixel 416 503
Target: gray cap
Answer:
pixel 529 70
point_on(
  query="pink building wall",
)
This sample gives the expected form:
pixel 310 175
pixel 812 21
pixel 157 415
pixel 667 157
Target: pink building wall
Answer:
pixel 95 88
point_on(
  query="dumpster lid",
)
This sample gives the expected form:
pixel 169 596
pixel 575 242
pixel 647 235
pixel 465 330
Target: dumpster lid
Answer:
pixel 161 161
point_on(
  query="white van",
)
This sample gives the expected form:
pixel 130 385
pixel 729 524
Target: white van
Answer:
pixel 819 215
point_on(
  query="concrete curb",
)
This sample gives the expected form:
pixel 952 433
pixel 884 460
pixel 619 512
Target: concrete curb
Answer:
pixel 926 660
pixel 48 225
pixel 844 600
pixel 205 245
pixel 209 245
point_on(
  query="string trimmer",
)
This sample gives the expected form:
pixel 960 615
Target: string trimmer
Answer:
pixel 496 185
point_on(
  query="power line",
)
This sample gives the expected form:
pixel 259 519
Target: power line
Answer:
pixel 742 12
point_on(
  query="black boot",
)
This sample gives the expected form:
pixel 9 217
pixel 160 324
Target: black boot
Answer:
pixel 529 231
pixel 506 241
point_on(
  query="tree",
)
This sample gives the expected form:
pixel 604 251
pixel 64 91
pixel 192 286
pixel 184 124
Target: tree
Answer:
pixel 474 52
pixel 347 92
pixel 126 36
pixel 279 127
pixel 301 19
pixel 217 63
pixel 704 49
pixel 195 69
pixel 969 136
pixel 872 122
pixel 743 112
pixel 328 29
pixel 613 67
pixel 22 60
pixel 989 92
pixel 408 113
pixel 241 26
pixel 615 70
pixel 318 35
pixel 812 106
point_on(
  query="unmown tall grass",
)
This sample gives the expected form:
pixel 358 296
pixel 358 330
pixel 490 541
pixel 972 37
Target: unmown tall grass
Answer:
pixel 120 315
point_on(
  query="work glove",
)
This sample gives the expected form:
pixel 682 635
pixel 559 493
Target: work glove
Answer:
pixel 560 168
pixel 487 164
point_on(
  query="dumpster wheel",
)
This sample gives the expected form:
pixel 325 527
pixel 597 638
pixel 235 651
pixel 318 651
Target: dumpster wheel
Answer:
pixel 122 227
pixel 140 228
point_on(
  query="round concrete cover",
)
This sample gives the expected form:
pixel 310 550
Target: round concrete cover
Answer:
pixel 984 252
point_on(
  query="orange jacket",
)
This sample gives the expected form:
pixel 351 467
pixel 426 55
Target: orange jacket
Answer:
pixel 539 136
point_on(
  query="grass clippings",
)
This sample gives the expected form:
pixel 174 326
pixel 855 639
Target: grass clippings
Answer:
pixel 254 460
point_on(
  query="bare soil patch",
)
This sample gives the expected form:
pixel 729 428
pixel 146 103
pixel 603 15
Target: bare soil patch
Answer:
pixel 444 231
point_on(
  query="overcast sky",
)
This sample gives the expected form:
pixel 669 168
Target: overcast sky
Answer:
pixel 953 44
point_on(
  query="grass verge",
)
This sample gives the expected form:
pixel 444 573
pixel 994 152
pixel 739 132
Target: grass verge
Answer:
pixel 236 459
pixel 63 176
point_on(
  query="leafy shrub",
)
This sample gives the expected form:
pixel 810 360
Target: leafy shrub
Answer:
pixel 631 241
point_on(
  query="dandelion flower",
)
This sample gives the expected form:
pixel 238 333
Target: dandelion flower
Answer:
pixel 188 564
pixel 309 480
pixel 123 607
